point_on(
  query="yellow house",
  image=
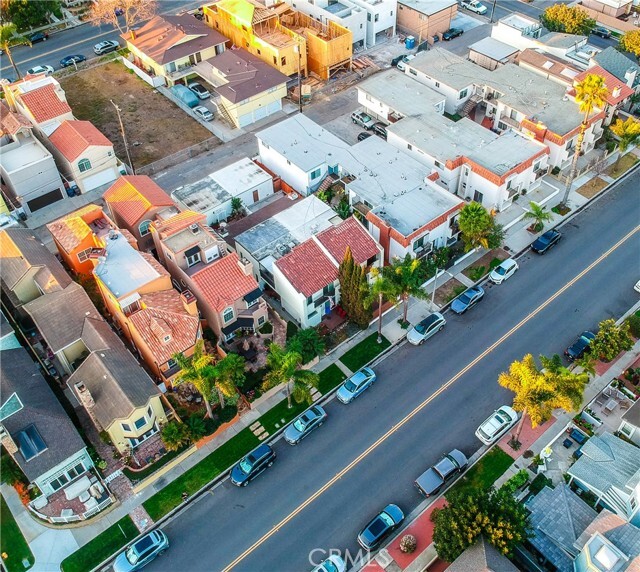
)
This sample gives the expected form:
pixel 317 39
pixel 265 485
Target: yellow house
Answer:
pixel 170 46
pixel 288 40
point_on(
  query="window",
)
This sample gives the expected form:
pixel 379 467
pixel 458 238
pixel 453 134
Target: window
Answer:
pixel 509 182
pixel 478 196
pixel 463 93
pixel 260 320
pixel 309 300
pixel 412 71
pixel 368 16
pixel 275 61
pixel 377 17
pixel 258 52
pixel 84 165
pixel 140 423
pixel 125 426
pixel 391 13
pixel 626 429
pixel 171 363
pixel 283 61
pixel 84 255
pixel 143 227
pixel 361 26
pixel 61 481
pixel 513 114
pixel 315 174
pixel 228 315
pixel 418 244
pixel 193 259
pixel 502 126
pixel 437 84
pixel 439 165
pixel 409 146
pixel 150 412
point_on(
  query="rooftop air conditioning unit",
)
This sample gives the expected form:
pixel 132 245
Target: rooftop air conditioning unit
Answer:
pixel 195 229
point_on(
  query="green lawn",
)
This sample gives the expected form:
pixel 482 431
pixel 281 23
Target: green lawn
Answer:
pixel 12 542
pixel 276 414
pixel 626 162
pixel 330 378
pixel 485 472
pixel 101 547
pixel 364 352
pixel 202 473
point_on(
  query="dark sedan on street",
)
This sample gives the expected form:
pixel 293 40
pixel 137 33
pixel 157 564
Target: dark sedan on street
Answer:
pixel 252 465
pixel 431 481
pixel 546 241
pixel 452 33
pixel 72 60
pixel 467 299
pixel 380 527
pixel 602 32
pixel 304 424
pixel 38 37
pixel 581 346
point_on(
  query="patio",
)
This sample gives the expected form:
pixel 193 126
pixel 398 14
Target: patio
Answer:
pixel 334 320
pixel 147 452
pixel 607 409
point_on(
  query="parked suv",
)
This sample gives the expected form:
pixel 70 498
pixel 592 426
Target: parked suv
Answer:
pixel 141 552
pixel 106 47
pixel 252 465
pixel 362 119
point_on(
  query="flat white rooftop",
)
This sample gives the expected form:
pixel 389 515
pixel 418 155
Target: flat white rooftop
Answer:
pixel 241 176
pixel 494 49
pixel 23 157
pixel 428 7
pixel 519 21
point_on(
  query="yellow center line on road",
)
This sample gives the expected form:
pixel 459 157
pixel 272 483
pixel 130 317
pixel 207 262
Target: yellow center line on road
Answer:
pixel 422 405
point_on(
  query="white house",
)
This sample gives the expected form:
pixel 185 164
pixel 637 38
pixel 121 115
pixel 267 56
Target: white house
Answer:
pixel 307 277
pixel 381 19
pixel 213 195
pixel 27 168
pixel 517 30
pixel 85 155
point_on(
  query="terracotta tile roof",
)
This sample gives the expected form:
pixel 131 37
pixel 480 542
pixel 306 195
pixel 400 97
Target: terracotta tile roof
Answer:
pixel 348 233
pixel 155 264
pixel 154 324
pixel 223 282
pixel 131 196
pixel 177 223
pixel 168 300
pixel 73 138
pixel 10 122
pixel 70 230
pixel 611 82
pixel 44 103
pixel 308 268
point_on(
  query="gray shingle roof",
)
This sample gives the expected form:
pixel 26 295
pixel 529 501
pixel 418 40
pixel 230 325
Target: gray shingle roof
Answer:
pixel 606 462
pixel 558 518
pixel 21 250
pixel 481 557
pixel 60 316
pixel 615 529
pixel 19 374
pixel 617 63
pixel 632 415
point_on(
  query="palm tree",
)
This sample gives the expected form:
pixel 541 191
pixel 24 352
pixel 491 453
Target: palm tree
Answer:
pixel 175 435
pixel 591 93
pixel 628 133
pixel 538 393
pixel 538 215
pixel 8 39
pixel 409 274
pixel 198 370
pixel 284 367
pixel 228 375
pixel 382 289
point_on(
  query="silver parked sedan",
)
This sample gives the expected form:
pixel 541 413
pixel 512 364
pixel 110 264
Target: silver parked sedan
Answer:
pixel 356 384
pixel 304 424
pixel 428 327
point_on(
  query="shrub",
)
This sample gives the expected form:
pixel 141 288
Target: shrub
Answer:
pixel 539 483
pixel 555 171
pixel 23 492
pixel 477 272
pixel 518 480
pixel 266 328
pixel 308 343
pixel 634 325
pixel 528 454
pixel 408 544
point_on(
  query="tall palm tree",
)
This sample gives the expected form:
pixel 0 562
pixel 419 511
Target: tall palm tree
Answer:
pixel 628 133
pixel 382 289
pixel 538 393
pixel 591 93
pixel 284 367
pixel 409 274
pixel 8 39
pixel 537 215
pixel 198 370
pixel 228 375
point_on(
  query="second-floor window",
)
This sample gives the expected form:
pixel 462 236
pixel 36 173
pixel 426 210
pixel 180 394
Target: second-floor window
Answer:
pixel 143 227
pixel 315 174
pixel 192 258
pixel 418 244
pixel 84 165
pixel 228 315
pixel 84 255
pixel 463 93
pixel 140 423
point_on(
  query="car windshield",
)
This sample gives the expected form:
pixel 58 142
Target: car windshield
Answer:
pixel 246 465
pixel 501 270
pixel 329 566
pixel 132 555
pixel 544 239
pixel 365 117
pixel 502 417
pixel 386 519
pixel 349 385
pixel 299 424
pixel 465 298
pixel 484 433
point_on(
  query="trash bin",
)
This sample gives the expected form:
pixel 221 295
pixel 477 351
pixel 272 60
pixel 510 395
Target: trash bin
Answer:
pixel 409 42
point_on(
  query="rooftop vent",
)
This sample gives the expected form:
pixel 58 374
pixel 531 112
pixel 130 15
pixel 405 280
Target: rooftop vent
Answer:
pixel 194 228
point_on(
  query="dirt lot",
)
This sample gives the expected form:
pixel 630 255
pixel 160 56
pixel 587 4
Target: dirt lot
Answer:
pixel 592 188
pixel 448 291
pixel 150 119
pixel 485 264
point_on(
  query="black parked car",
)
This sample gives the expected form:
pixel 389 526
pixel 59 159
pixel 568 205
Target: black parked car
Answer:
pixel 38 37
pixel 380 129
pixel 72 60
pixel 432 480
pixel 395 61
pixel 578 348
pixel 546 241
pixel 381 526
pixel 364 135
pixel 452 33
pixel 252 465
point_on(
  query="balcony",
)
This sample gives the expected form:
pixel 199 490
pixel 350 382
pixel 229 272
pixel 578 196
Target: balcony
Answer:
pixel 508 121
pixel 253 309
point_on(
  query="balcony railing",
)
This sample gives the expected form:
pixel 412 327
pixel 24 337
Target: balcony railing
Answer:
pixel 251 310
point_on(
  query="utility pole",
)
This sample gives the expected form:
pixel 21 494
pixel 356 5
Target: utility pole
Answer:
pixel 124 137
pixel 493 9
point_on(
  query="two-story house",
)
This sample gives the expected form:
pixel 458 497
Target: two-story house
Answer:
pixel 307 277
pixel 84 155
pixel 168 47
pixel 133 201
pixel 228 296
pixel 138 293
pixel 29 174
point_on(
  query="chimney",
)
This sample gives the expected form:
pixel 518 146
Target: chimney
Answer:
pixel 189 302
pixel 7 442
pixel 616 91
pixel 85 395
pixel 246 266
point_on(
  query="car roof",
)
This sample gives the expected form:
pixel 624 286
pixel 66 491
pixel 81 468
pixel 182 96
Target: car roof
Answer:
pixel 508 263
pixel 432 319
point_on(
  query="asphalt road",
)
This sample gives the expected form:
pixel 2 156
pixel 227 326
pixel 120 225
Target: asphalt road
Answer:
pixel 219 527
pixel 78 40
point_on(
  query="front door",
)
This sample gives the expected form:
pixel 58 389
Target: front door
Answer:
pixel 327 307
pixel 256 196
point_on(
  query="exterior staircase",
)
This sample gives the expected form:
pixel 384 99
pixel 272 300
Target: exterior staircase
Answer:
pixel 471 104
pixel 225 114
pixel 327 182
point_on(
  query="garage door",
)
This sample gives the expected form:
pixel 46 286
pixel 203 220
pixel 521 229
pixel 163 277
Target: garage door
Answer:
pixel 44 200
pixel 246 119
pixel 98 179
pixel 259 113
pixel 274 106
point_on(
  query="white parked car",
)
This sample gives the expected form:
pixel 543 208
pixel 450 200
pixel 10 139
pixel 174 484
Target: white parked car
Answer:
pixel 332 564
pixel 637 286
pixel 48 70
pixel 202 112
pixel 402 64
pixel 498 423
pixel 503 272
pixel 105 47
pixel 474 6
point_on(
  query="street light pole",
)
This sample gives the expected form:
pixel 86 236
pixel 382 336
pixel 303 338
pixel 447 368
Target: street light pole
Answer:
pixel 493 9
pixel 124 137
